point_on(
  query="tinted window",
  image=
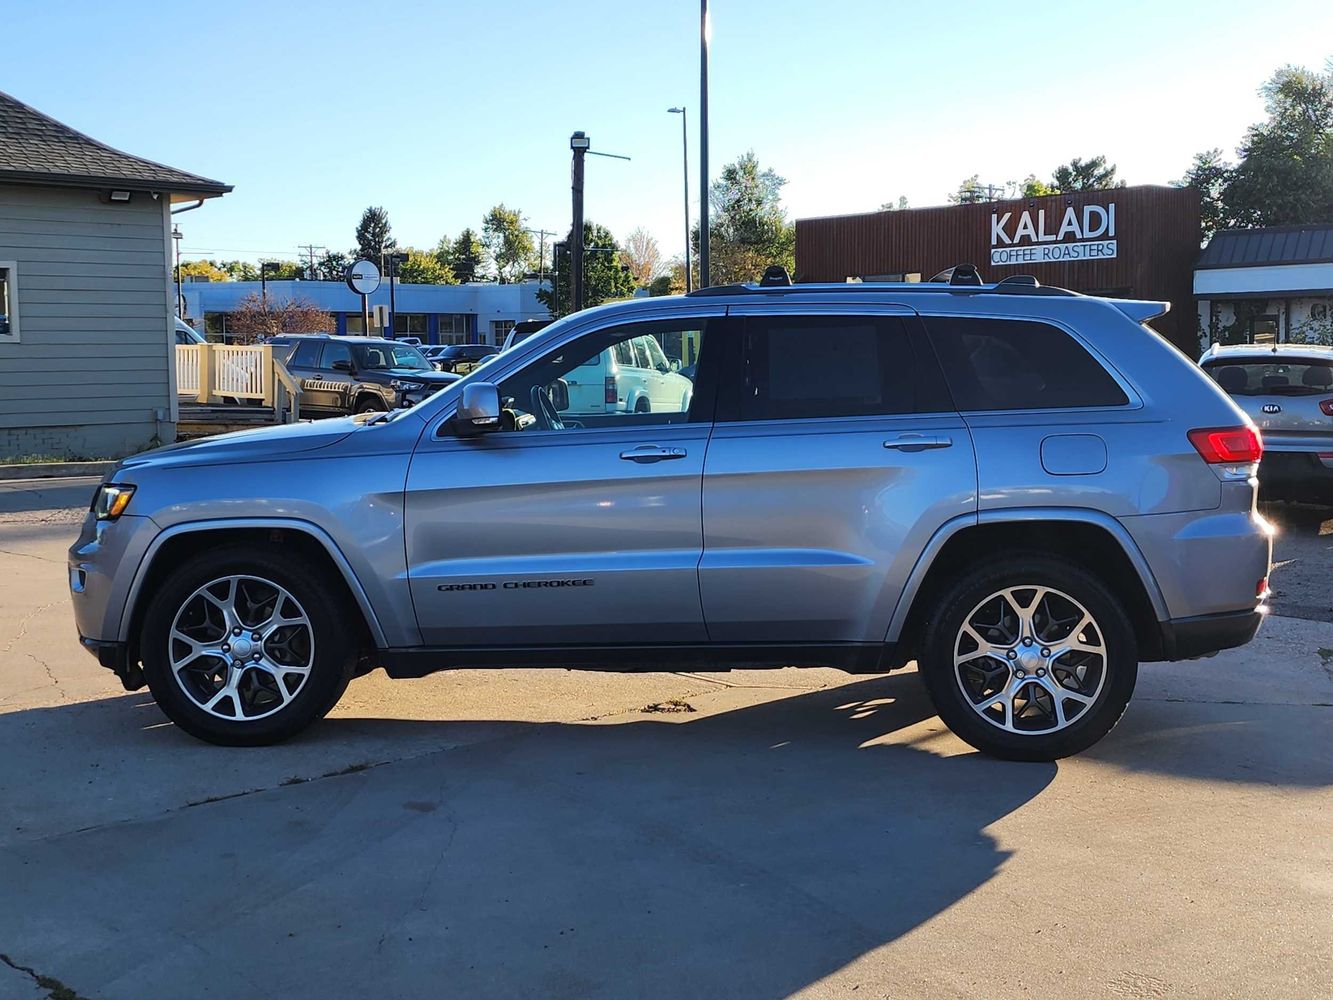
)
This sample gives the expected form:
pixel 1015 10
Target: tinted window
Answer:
pixel 334 351
pixel 797 367
pixel 1003 364
pixel 306 354
pixel 1272 376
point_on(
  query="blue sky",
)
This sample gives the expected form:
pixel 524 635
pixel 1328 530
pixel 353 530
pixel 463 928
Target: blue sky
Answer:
pixel 439 110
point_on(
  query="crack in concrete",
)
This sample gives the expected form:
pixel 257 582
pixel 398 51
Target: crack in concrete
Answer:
pixel 27 620
pixel 55 989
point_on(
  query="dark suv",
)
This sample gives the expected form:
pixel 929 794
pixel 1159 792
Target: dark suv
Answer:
pixel 462 358
pixel 344 375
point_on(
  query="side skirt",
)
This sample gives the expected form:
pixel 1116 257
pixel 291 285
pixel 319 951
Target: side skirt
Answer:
pixel 855 658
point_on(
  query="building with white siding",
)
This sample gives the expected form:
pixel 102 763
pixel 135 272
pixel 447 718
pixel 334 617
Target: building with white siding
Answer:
pixel 86 310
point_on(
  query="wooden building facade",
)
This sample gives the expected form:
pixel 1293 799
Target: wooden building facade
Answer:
pixel 1131 242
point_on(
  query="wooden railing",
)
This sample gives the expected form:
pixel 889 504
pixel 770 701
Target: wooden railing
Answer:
pixel 224 373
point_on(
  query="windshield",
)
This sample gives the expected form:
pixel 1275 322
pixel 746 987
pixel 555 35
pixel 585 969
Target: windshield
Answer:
pixel 1269 377
pixel 381 356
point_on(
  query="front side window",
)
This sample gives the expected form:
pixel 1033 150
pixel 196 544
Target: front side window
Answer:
pixel 9 321
pixel 806 367
pixel 333 352
pixel 376 357
pixel 586 385
pixel 1010 364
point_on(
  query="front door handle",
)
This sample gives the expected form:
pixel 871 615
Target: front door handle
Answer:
pixel 646 453
pixel 918 442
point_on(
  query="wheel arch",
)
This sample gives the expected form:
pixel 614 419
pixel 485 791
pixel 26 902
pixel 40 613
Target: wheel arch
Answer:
pixel 1092 539
pixel 177 543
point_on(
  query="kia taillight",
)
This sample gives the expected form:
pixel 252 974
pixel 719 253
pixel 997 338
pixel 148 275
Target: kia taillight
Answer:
pixel 1227 445
pixel 610 390
pixel 1327 406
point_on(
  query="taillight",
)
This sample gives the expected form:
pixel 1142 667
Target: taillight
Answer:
pixel 1327 407
pixel 610 390
pixel 1227 445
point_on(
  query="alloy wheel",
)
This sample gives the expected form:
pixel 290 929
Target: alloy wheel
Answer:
pixel 1030 660
pixel 241 647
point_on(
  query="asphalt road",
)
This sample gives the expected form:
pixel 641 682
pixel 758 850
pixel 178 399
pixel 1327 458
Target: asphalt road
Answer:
pixel 540 834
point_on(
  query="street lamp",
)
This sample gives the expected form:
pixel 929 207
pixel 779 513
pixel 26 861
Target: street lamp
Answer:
pixel 264 267
pixel 685 158
pixel 705 35
pixel 176 235
pixel 395 258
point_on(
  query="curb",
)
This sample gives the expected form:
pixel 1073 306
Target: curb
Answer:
pixel 55 470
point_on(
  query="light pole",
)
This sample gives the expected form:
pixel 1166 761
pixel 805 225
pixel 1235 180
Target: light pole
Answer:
pixel 176 235
pixel 685 158
pixel 705 30
pixel 579 144
pixel 395 258
pixel 264 267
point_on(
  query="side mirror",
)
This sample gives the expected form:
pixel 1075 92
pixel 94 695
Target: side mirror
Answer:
pixel 559 390
pixel 675 364
pixel 342 366
pixel 479 410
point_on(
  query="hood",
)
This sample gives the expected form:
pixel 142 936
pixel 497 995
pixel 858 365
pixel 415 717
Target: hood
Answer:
pixel 428 377
pixel 258 444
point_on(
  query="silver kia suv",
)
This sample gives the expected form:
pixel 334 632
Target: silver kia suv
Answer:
pixel 1024 490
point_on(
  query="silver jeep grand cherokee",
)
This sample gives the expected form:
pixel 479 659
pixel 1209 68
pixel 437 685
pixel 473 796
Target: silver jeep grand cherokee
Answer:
pixel 1025 490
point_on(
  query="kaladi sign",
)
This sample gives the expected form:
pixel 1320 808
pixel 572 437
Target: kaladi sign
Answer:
pixel 1087 234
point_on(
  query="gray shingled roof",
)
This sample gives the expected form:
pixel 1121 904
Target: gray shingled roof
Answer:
pixel 1280 245
pixel 36 149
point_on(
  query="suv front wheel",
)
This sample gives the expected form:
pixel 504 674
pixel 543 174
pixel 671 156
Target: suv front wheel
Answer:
pixel 244 649
pixel 1029 657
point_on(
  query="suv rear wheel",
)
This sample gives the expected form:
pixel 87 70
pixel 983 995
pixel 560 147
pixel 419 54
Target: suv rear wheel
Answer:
pixel 243 649
pixel 370 404
pixel 1029 657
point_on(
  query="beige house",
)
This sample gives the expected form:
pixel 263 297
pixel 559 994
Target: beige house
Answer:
pixel 86 298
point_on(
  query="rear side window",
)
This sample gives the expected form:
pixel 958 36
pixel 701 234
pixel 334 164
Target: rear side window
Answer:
pixel 306 354
pixel 1005 364
pixel 801 367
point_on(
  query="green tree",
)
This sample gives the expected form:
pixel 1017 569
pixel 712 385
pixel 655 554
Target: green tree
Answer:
pixel 605 278
pixel 1209 174
pixel 280 270
pixel 464 256
pixel 970 192
pixel 374 235
pixel 1285 173
pixel 748 229
pixel 1093 174
pixel 1034 187
pixel 423 268
pixel 661 285
pixel 332 267
pixel 508 245
pixel 239 270
pixel 895 206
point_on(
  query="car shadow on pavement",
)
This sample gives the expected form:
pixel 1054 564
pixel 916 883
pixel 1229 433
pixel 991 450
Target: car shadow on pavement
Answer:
pixel 746 853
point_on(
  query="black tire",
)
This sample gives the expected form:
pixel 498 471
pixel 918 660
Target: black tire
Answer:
pixel 332 663
pixel 1022 570
pixel 643 406
pixel 370 404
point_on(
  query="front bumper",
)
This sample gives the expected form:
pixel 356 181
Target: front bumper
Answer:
pixel 1203 635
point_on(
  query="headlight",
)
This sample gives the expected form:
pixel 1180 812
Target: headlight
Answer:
pixel 398 385
pixel 110 500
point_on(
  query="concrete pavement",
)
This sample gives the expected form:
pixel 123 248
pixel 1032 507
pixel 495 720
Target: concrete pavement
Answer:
pixel 531 833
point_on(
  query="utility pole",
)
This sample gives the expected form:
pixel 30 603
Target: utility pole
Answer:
pixel 578 143
pixel 176 236
pixel 310 249
pixel 541 235
pixel 685 156
pixel 704 31
pixel 395 258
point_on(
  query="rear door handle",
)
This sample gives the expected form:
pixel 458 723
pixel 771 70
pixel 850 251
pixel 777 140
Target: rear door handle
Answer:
pixel 918 442
pixel 646 453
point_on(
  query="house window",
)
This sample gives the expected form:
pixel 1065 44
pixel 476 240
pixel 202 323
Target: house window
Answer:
pixel 9 296
pixel 1263 330
pixel 1319 311
pixel 500 329
pixel 409 324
